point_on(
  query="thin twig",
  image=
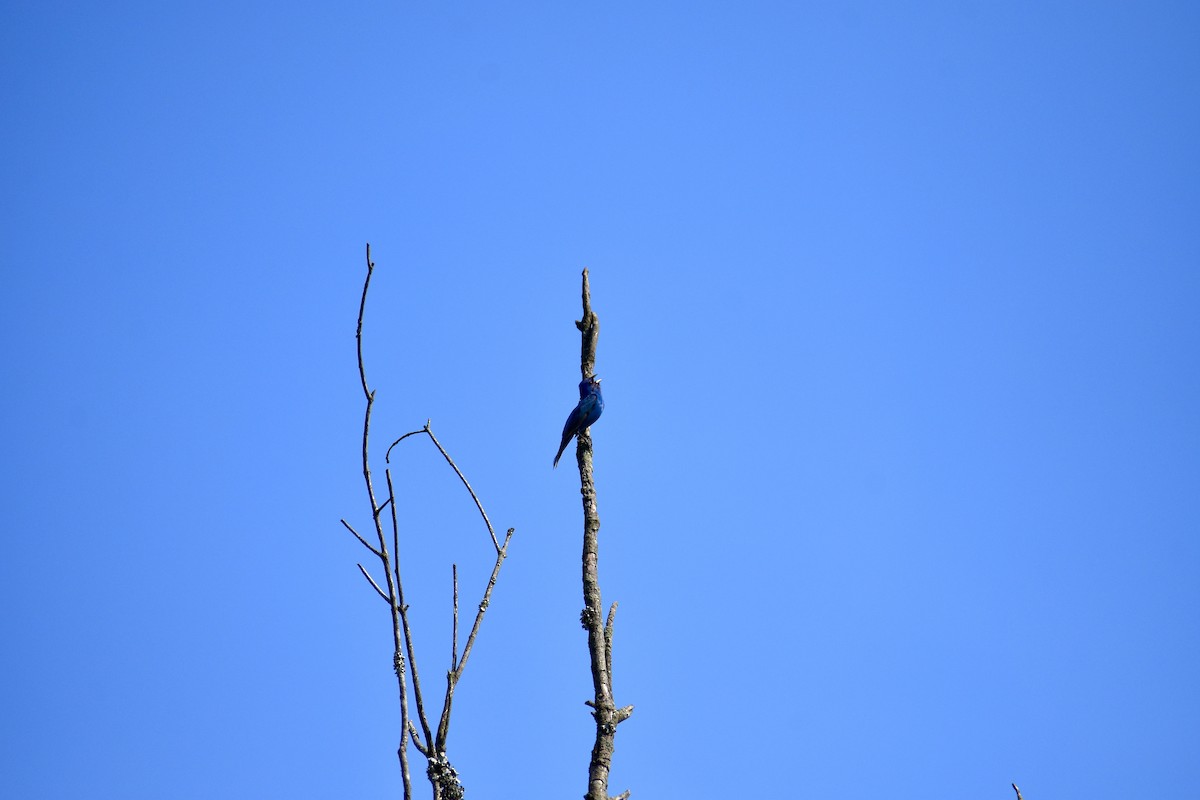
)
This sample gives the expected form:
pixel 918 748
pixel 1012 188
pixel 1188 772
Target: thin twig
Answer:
pixel 387 457
pixel 455 673
pixel 362 308
pixel 370 397
pixel 365 543
pixel 402 608
pixel 387 473
pixel 463 478
pixel 393 597
pixel 454 635
pixel 371 581
pixel 429 431
pixel 1018 791
pixel 398 610
pixel 487 599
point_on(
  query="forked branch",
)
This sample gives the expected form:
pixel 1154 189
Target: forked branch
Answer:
pixel 442 775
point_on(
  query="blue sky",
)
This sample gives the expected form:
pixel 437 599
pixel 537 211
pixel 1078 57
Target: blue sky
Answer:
pixel 898 471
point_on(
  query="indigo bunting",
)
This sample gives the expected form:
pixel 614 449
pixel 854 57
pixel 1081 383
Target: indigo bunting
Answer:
pixel 591 403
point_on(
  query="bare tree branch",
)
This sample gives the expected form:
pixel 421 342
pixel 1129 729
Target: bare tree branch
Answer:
pixel 365 543
pixel 371 581
pixel 454 632
pixel 402 610
pixel 485 602
pixel 416 739
pixel 441 773
pixel 387 457
pixel 429 431
pixel 599 634
pixel 390 574
pixel 399 608
pixel 455 673
pixel 463 479
pixel 1018 791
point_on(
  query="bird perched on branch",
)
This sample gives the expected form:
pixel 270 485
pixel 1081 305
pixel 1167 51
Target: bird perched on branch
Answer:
pixel 591 404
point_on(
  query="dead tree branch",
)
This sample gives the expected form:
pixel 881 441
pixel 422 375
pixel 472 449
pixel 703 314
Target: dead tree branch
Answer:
pixel 605 711
pixel 441 774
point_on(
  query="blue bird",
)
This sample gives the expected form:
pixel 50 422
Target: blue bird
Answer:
pixel 591 404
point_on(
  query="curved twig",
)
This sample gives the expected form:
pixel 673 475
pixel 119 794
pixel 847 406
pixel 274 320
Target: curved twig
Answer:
pixel 429 431
pixel 463 478
pixel 387 457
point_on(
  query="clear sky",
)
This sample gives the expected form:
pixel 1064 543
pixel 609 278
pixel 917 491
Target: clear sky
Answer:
pixel 900 469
